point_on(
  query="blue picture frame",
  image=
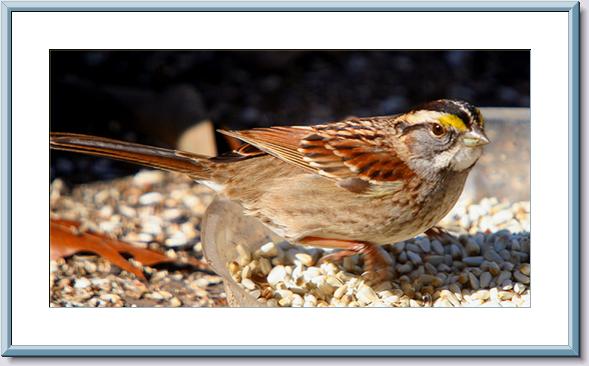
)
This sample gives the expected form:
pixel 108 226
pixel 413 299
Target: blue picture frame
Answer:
pixel 570 350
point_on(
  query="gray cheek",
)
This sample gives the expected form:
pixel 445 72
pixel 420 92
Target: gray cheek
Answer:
pixel 425 146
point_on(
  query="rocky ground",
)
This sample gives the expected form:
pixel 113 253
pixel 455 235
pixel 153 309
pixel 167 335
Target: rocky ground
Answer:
pixel 486 263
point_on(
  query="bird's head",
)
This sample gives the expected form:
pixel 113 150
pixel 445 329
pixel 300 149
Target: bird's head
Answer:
pixel 443 135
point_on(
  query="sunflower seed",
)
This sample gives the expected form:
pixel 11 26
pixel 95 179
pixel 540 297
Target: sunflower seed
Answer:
pixel 473 261
pixel 524 268
pixel 485 279
pixel 437 247
pixel 473 280
pixel 521 277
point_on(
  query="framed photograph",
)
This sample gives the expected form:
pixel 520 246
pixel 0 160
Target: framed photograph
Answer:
pixel 290 179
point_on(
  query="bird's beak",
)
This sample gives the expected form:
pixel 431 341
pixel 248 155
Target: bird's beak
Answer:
pixel 475 138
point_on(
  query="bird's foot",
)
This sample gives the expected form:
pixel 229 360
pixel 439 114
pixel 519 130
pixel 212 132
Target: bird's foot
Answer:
pixel 378 265
pixel 440 234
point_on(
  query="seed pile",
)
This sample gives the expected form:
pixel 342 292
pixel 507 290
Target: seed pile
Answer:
pixel 472 269
pixel 152 209
pixel 485 263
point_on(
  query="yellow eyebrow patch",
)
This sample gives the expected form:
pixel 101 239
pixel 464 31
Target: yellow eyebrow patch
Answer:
pixel 447 120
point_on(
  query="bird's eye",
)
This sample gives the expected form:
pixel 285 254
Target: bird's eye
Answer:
pixel 438 130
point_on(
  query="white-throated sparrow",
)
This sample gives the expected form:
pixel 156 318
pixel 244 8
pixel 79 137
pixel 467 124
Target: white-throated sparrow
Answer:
pixel 352 185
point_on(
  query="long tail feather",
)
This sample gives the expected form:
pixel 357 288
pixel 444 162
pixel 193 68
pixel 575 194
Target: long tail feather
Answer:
pixel 196 166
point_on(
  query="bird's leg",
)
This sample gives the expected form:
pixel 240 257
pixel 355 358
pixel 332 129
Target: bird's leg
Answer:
pixel 440 234
pixel 377 262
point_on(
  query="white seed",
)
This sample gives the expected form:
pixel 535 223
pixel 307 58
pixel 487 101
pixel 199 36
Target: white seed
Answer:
pixel 243 255
pixel 233 268
pixel 311 273
pixel 504 295
pixel 393 299
pixel 127 211
pixel 248 284
pixel 443 303
pixel 340 291
pixel 519 287
pixel 272 303
pixel 329 268
pixel 451 297
pixel 475 212
pixel 269 250
pixel 501 217
pixel 246 272
pixel 148 177
pixel 507 285
pixel 481 295
pixel 264 266
pixel 82 283
pixel 325 290
pixel 494 294
pixel 276 275
pixel 310 300
pixel 333 281
pixel 305 259
pixel 297 301
pixel 415 304
pixel 175 302
pixel 152 227
pixel 465 221
pixel 525 268
pixel 151 198
pixel 526 298
pixel 286 295
pixel 455 289
pixel 366 295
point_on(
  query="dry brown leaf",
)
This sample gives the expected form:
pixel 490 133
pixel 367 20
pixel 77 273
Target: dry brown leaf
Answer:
pixel 66 239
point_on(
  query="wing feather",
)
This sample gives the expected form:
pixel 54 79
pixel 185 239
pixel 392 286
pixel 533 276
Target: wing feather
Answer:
pixel 355 152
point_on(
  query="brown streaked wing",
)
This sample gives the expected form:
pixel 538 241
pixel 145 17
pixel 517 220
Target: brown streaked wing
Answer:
pixel 351 152
pixel 281 142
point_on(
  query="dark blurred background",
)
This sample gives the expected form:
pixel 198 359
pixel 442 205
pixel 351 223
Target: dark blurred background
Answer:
pixel 152 97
